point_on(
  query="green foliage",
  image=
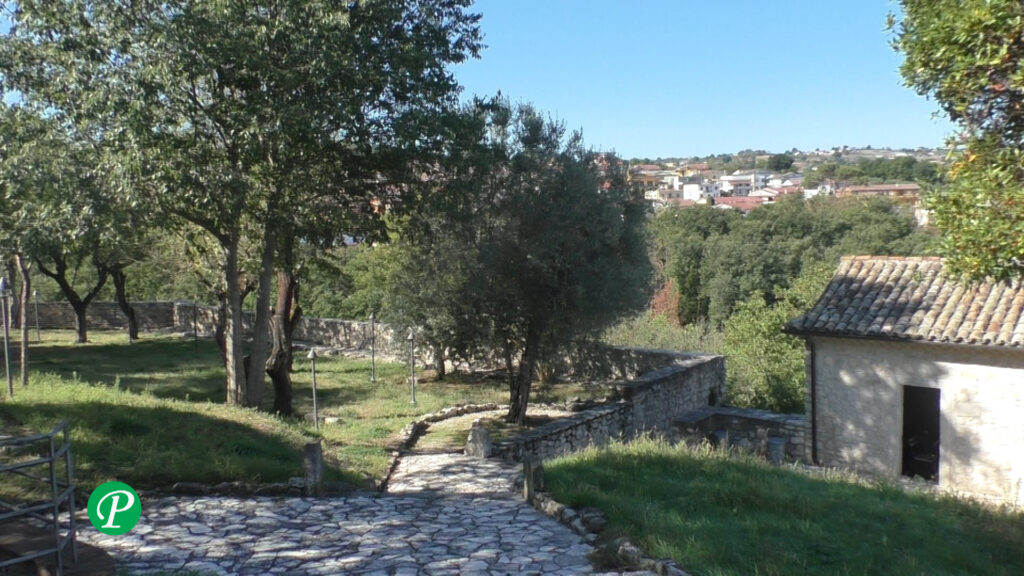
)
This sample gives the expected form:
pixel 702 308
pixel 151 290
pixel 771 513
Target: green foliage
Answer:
pixel 534 247
pixel 719 259
pixel 766 366
pixel 982 211
pixel 966 56
pixel 656 332
pixel 271 126
pixel 724 515
pixel 878 171
pixel 780 162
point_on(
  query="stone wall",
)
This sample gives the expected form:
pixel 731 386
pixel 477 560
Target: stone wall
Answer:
pixel 104 315
pixel 651 402
pixel 746 429
pixel 860 408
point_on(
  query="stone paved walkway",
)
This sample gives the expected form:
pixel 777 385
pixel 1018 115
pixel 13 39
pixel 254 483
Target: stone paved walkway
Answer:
pixel 444 514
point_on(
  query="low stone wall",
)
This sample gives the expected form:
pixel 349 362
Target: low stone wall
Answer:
pixel 746 429
pixel 651 402
pixel 616 363
pixel 104 315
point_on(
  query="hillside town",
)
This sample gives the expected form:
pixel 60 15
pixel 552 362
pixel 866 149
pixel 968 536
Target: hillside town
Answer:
pixel 683 184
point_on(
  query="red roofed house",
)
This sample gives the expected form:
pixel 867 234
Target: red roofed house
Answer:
pixel 912 373
pixel 744 203
pixel 908 193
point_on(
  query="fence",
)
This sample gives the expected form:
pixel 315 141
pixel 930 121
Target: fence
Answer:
pixel 25 458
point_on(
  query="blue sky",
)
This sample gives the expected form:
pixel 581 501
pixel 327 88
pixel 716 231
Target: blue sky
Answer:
pixel 650 78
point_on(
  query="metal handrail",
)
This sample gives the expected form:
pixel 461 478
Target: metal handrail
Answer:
pixel 62 494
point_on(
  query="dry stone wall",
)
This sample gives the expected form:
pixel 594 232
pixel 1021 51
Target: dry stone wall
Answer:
pixel 104 315
pixel 747 429
pixel 651 402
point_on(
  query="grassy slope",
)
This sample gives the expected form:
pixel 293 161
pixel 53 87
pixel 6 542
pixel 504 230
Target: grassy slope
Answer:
pixel 152 413
pixel 729 516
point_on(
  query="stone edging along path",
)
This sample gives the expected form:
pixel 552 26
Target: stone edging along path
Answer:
pixel 588 523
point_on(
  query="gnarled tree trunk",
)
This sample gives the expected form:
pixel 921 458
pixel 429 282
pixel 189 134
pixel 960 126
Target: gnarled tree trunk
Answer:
pixel 520 388
pixel 256 361
pixel 439 368
pixel 80 304
pixel 282 325
pixel 119 277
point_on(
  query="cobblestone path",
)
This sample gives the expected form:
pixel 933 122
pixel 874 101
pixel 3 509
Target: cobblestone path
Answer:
pixel 443 514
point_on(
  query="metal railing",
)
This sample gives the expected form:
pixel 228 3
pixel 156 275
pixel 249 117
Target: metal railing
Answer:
pixel 55 446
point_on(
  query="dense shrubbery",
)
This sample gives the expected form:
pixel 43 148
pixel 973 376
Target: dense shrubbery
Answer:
pixel 740 279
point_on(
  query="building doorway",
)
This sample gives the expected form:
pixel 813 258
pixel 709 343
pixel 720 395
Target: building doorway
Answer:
pixel 921 432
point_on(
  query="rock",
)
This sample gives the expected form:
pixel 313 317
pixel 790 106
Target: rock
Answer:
pixel 593 519
pixel 190 488
pixel 478 445
pixel 629 553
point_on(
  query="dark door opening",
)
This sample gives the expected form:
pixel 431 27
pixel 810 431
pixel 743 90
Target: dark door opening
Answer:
pixel 921 432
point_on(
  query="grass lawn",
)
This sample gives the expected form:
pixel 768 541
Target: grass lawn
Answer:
pixel 152 413
pixel 718 515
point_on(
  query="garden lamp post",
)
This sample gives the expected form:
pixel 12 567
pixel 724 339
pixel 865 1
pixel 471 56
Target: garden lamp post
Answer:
pixel 5 294
pixel 373 348
pixel 316 412
pixel 35 298
pixel 412 363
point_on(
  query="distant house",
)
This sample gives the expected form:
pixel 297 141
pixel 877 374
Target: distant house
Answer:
pixel 698 169
pixel 908 193
pixel 912 373
pixel 741 203
pixel 741 183
pixel 780 180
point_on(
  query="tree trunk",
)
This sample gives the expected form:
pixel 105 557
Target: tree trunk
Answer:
pixel 25 267
pixel 78 303
pixel 279 364
pixel 118 276
pixel 510 374
pixel 256 362
pixel 234 332
pixel 439 361
pixel 12 269
pixel 520 398
pixel 219 327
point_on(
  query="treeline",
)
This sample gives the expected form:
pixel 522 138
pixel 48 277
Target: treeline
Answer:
pixel 732 281
pixel 877 171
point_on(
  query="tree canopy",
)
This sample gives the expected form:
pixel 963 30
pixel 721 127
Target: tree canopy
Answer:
pixel 538 243
pixel 265 125
pixel 968 55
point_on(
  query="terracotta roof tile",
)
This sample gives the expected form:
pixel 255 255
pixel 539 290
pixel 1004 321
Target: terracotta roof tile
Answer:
pixel 912 299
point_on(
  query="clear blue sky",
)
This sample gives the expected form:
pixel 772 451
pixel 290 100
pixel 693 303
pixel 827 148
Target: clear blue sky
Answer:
pixel 664 78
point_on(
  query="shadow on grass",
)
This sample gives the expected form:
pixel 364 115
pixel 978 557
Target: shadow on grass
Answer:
pixel 723 516
pixel 144 365
pixel 154 447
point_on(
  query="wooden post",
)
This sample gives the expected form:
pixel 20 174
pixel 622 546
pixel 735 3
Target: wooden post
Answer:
pixel 533 478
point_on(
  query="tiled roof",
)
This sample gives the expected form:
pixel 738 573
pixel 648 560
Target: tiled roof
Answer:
pixel 911 299
pixel 745 203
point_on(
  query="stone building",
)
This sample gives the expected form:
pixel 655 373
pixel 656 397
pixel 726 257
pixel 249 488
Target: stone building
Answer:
pixel 913 373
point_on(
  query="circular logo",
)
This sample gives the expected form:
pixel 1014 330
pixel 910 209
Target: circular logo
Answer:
pixel 114 508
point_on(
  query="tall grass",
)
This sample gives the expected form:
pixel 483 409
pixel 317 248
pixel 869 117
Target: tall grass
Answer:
pixel 719 515
pixel 647 331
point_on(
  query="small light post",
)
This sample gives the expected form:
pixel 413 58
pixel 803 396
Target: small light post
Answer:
pixel 316 411
pixel 35 298
pixel 412 363
pixel 195 323
pixel 373 348
pixel 5 294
